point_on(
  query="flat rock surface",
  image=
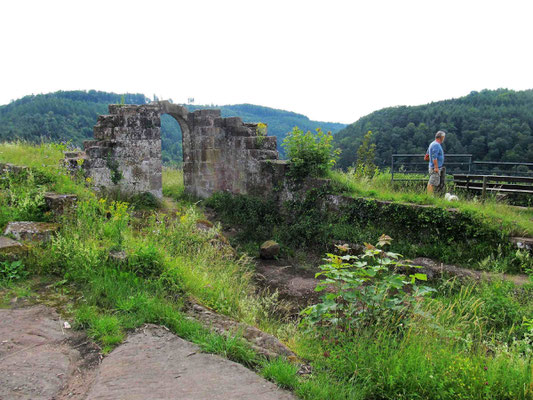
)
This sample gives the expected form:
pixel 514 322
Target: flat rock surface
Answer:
pixel 155 364
pixel 39 359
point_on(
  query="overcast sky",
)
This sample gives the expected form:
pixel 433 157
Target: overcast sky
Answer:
pixel 330 60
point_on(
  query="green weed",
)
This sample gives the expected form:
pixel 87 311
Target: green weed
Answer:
pixel 282 372
pixel 12 271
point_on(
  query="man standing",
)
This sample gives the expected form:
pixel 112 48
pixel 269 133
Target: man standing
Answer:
pixel 436 161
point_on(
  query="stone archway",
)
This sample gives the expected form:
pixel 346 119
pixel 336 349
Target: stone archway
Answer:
pixel 219 154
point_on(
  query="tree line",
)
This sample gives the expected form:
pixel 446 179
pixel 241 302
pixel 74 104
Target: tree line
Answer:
pixel 71 115
pixel 492 125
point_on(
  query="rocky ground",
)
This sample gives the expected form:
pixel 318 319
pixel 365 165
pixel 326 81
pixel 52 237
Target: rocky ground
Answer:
pixel 42 359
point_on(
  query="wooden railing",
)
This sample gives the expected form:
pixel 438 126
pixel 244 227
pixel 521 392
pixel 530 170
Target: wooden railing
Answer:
pixel 494 183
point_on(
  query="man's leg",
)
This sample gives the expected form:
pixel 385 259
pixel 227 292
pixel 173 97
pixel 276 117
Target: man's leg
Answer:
pixel 434 180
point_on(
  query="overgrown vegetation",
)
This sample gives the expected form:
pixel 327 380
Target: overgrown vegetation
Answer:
pixel 367 289
pixel 311 154
pixel 465 237
pixel 461 341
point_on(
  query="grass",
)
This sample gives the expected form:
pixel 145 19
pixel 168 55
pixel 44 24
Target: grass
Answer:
pixel 467 342
pixel 518 221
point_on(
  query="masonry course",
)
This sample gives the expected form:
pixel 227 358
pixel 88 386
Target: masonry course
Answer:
pixel 219 154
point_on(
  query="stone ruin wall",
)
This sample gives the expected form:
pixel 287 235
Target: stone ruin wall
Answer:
pixel 219 154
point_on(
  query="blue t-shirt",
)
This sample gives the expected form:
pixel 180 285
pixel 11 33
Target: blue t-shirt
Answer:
pixel 435 151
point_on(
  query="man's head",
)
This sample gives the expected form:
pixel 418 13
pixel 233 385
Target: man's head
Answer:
pixel 439 136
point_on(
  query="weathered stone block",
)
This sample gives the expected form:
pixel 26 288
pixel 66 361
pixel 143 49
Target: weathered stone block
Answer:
pixel 233 122
pixel 10 249
pixel 102 133
pixel 87 144
pixel 264 154
pixel 31 231
pixel 8 168
pixel 269 250
pixel 241 131
pixel 110 121
pixel 252 142
pixel 269 143
pixel 208 143
pixel 60 203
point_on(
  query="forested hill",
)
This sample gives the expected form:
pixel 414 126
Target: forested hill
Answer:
pixel 492 125
pixel 71 115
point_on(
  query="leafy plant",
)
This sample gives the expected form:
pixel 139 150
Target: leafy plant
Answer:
pixel 261 131
pixel 11 271
pixel 365 289
pixel 118 214
pixel 311 154
pixel 112 164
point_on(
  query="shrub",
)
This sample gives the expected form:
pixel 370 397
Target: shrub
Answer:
pixel 367 289
pixel 311 154
pixel 365 166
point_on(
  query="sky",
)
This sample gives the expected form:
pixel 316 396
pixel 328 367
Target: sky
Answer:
pixel 330 60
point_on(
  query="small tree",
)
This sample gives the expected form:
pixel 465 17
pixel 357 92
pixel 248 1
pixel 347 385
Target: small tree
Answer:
pixel 366 289
pixel 366 154
pixel 311 154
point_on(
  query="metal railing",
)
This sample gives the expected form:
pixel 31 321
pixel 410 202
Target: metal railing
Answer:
pixel 503 168
pixel 410 164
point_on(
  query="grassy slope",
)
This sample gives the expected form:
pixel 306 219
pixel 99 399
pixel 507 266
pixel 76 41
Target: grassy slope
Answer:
pixel 518 221
pixel 467 343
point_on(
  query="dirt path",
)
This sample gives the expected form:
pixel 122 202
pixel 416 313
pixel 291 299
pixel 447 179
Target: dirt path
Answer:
pixel 39 359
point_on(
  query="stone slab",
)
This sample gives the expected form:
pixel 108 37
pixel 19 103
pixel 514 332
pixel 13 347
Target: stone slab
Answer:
pixel 155 364
pixel 31 231
pixel 34 359
pixel 10 247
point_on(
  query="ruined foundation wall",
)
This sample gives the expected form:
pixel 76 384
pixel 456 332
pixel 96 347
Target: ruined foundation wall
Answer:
pixel 126 153
pixel 219 154
pixel 229 155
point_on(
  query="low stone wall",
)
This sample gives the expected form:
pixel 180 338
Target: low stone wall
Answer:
pixel 219 154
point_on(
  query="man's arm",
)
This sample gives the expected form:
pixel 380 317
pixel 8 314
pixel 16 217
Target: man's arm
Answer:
pixel 436 165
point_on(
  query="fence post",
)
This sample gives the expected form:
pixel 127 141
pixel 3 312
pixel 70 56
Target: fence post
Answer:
pixel 484 189
pixel 392 169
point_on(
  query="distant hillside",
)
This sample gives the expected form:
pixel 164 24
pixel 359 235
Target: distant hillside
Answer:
pixel 71 115
pixel 492 125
